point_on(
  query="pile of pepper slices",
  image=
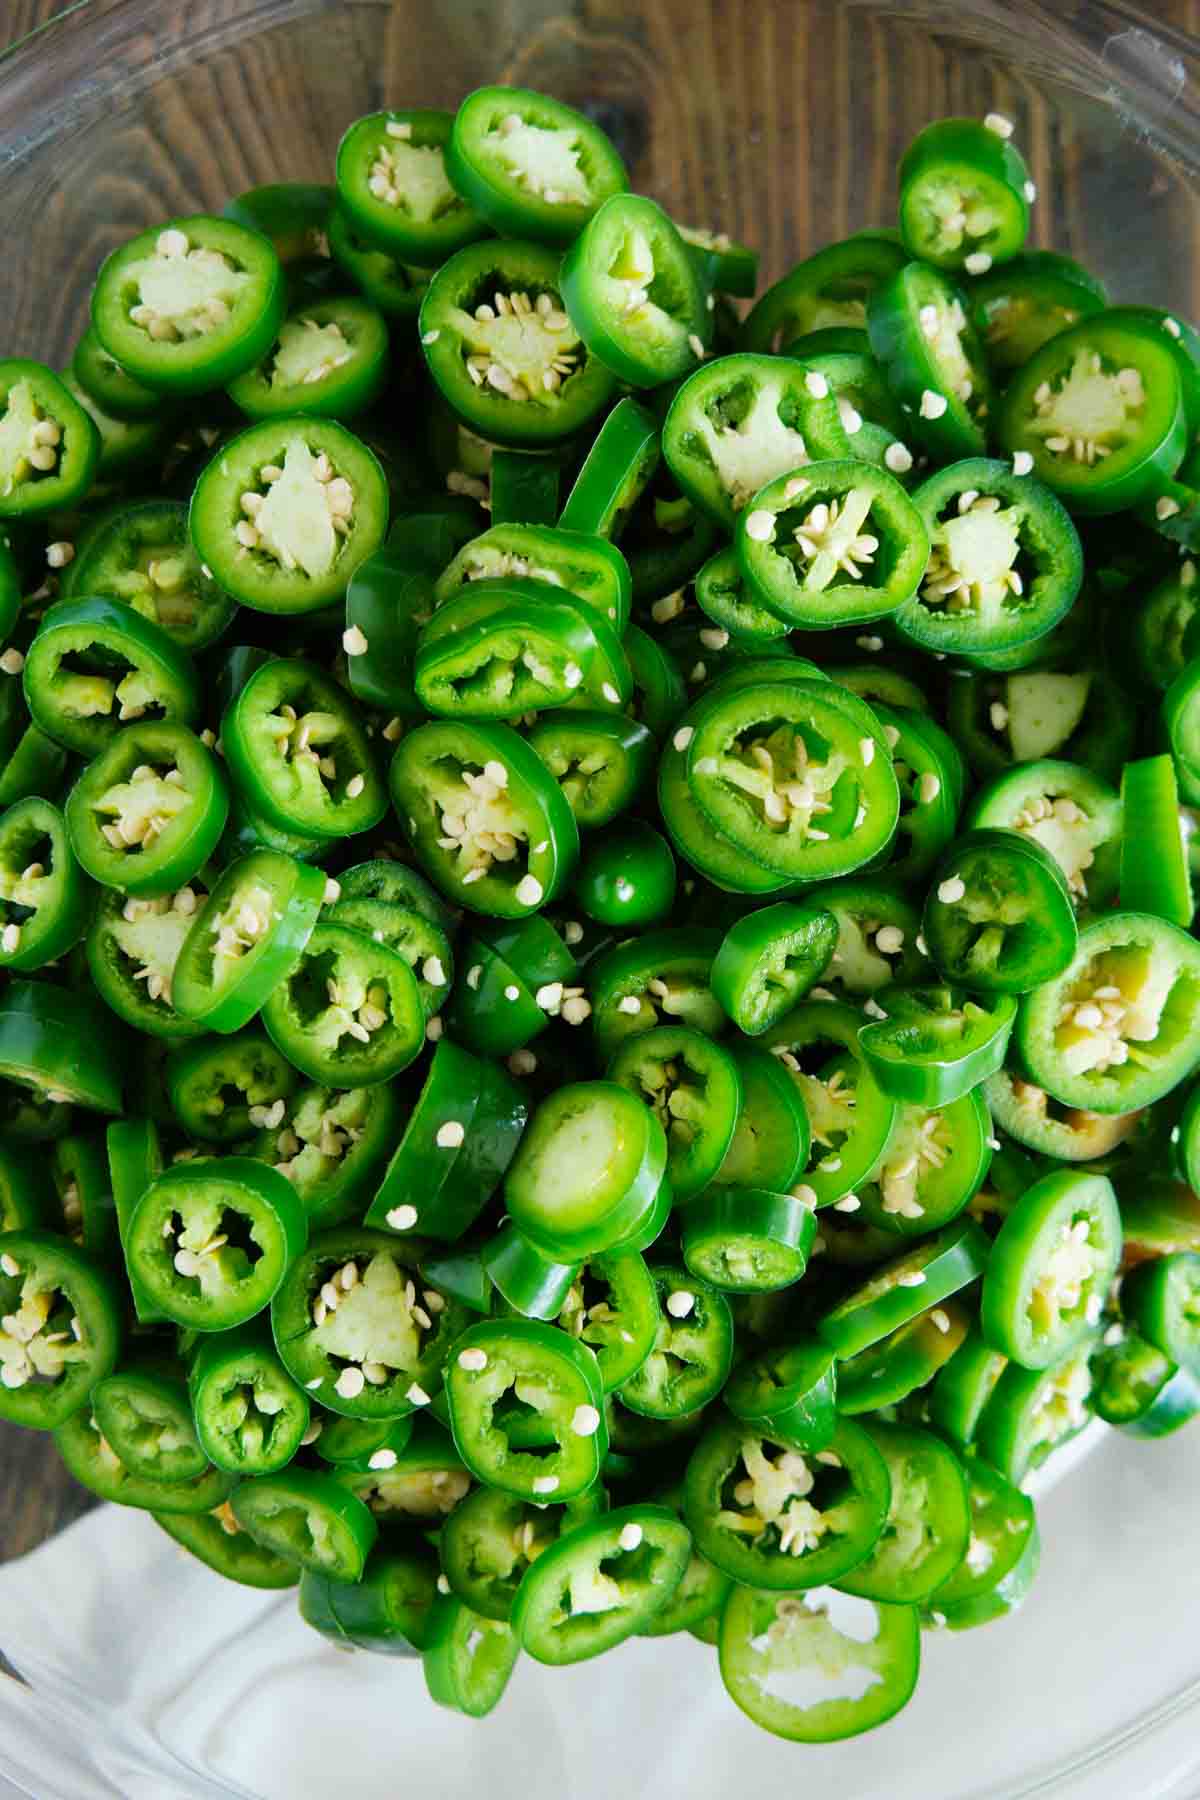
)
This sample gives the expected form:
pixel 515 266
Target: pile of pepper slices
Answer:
pixel 599 991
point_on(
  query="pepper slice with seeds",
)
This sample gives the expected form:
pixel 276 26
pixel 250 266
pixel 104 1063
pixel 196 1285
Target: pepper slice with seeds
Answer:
pixel 851 1119
pixel 1005 560
pixel 934 363
pixel 395 287
pixel 772 1516
pixel 767 760
pixel 286 511
pixel 964 203
pixel 96 664
pixel 694 1088
pixel 1050 1268
pixel 748 1240
pixel 588 568
pixel 1012 926
pixel 142 554
pixel 633 293
pixel 185 307
pixel 1069 812
pixel 484 816
pixel 330 1145
pixel 250 1416
pixel 829 289
pixel 903 1361
pixel 393 182
pixel 350 1013
pixel 603 1580
pixel 329 361
pixel 532 166
pixel 1032 1412
pixel 467 1659
pixel 95 1465
pixel 246 938
pixel 850 1663
pixel 148 813
pixel 491 1538
pixel 360 1327
pixel 211 1242
pixel 927 1531
pixel 509 645
pixel 600 760
pixel 502 349
pixel 837 543
pixel 217 1085
pixel 49 446
pixel 44 898
pixel 546 1372
pixel 911 1284
pixel 933 1044
pixel 936 1159
pixel 739 422
pixel 1100 409
pixel 217 1540
pixel 60 1328
pixel 1120 1026
pixel 300 755
pixel 513 981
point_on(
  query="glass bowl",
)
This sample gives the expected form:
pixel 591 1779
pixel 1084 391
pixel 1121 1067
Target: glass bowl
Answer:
pixel 145 1677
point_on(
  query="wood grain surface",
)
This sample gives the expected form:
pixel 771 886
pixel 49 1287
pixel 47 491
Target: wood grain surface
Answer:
pixel 781 123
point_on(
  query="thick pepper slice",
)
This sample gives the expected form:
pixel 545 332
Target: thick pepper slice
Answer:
pixel 94 665
pixel 601 761
pixel 247 937
pixel 600 1583
pixel 142 1412
pixel 491 1538
pixel 934 1044
pixel 546 1370
pixel 356 1327
pixel 299 754
pixel 61 1333
pixel 1013 924
pixel 502 350
pixel 748 1240
pixel 49 446
pixel 964 196
pixel 694 1088
pixel 633 294
pixel 1100 409
pixel 532 166
pixel 332 1146
pixel 511 645
pixel 60 1046
pixel 587 1170
pixel 186 306
pixel 911 1284
pixel 769 960
pixel 286 511
pixel 1050 1268
pixel 142 554
pixel 584 566
pixel 838 543
pixel 350 1012
pixel 623 459
pixel 1118 1028
pixel 147 814
pixel 210 1244
pixel 458 1141
pixel 740 422
pixel 95 1465
pixel 44 898
pixel 485 817
pixel 387 1612
pixel 933 361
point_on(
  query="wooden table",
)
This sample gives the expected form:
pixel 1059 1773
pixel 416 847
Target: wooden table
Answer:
pixel 789 184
